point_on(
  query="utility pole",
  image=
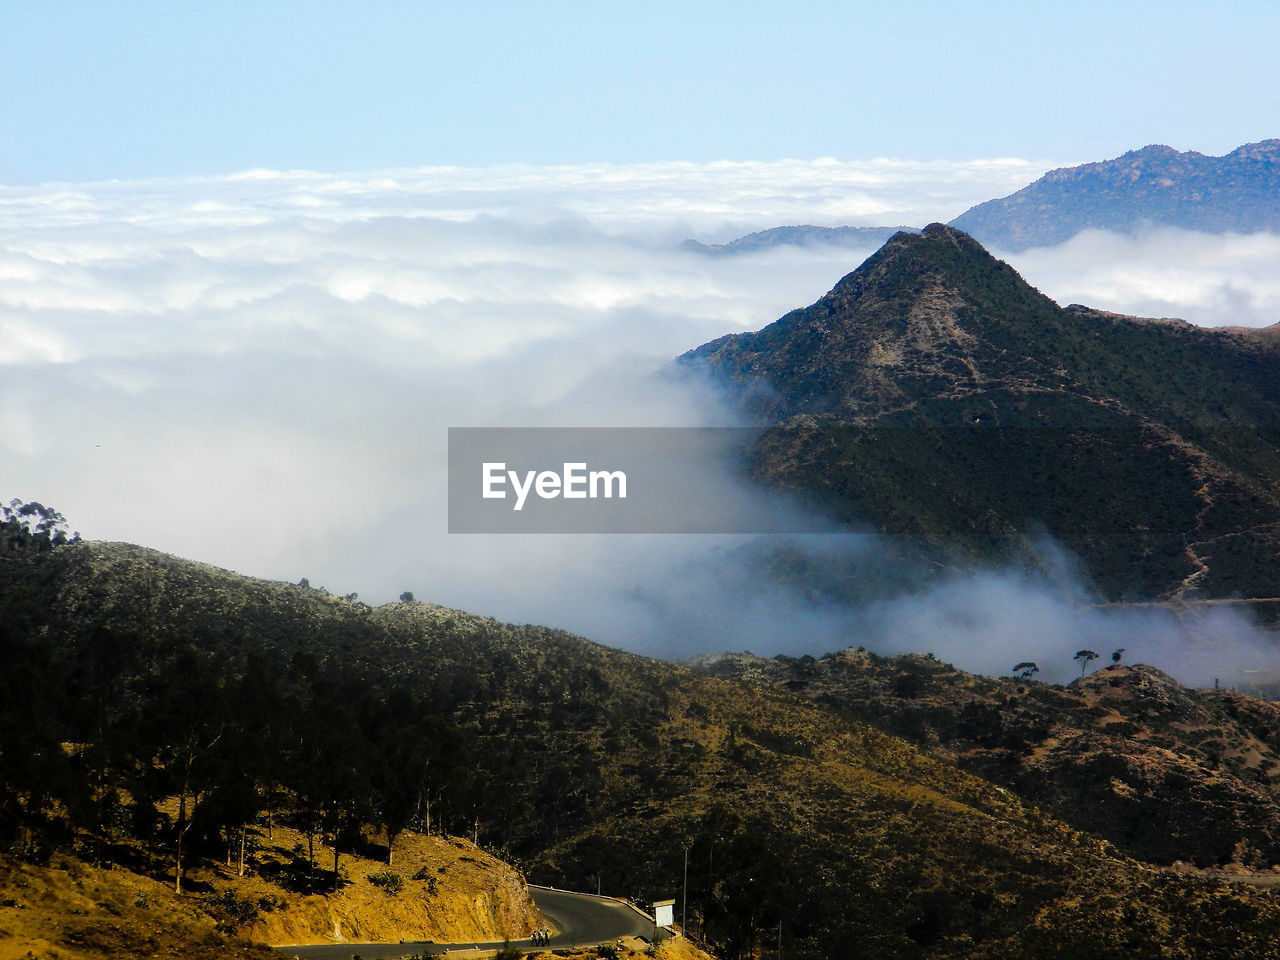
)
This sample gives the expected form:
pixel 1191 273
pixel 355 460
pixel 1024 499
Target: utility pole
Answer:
pixel 684 897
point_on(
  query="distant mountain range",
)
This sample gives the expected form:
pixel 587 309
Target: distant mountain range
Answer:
pixel 936 395
pixel 799 236
pixel 1154 186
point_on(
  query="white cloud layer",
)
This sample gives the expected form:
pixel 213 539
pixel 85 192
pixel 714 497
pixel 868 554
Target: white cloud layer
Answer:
pixel 1228 280
pixel 259 371
pixel 668 199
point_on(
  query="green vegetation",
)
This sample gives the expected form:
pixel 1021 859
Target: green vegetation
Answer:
pixel 136 693
pixel 146 678
pixel 230 909
pixel 936 396
pixel 389 881
pixel 1163 773
pixel 31 528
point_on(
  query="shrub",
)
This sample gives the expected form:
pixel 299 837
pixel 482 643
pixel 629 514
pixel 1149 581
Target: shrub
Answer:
pixel 391 882
pixel 226 906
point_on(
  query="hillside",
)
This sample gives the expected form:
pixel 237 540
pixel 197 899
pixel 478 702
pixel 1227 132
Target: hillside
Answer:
pixel 65 906
pixel 585 765
pixel 1164 773
pixel 1154 186
pixel 935 395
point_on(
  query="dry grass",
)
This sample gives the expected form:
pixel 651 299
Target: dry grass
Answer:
pixel 451 891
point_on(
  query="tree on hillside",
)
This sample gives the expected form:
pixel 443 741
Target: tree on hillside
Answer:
pixel 408 739
pixel 34 767
pixel 1084 656
pixel 32 527
pixel 186 721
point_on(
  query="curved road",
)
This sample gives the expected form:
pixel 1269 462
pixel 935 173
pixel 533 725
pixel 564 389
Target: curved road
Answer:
pixel 583 921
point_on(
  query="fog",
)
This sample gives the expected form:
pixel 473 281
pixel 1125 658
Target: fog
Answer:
pixel 1228 280
pixel 259 371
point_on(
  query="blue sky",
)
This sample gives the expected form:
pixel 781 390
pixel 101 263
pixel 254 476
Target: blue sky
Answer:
pixel 97 90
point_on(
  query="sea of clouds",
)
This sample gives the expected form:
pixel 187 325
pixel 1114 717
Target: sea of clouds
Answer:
pixel 258 371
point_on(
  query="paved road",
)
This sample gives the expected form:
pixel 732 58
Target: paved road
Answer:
pixel 583 921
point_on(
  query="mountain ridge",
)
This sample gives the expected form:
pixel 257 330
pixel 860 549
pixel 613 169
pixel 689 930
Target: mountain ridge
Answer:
pixel 795 234
pixel 1155 186
pixel 1166 773
pixel 897 398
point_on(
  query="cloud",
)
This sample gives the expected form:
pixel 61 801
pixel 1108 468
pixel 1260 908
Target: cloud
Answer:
pixel 658 197
pixel 259 371
pixel 986 622
pixel 1210 280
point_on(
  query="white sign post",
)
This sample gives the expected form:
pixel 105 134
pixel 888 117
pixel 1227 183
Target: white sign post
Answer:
pixel 664 913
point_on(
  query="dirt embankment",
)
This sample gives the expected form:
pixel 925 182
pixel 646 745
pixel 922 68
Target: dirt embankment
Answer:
pixel 72 911
pixel 439 888
pixel 448 891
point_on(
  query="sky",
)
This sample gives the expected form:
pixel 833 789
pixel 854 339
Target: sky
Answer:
pixel 256 259
pixel 103 89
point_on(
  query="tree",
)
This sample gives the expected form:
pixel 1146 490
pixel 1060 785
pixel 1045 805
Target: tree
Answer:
pixel 1026 669
pixel 34 768
pixel 1116 654
pixel 32 527
pixel 186 720
pixel 1084 656
pixel 406 597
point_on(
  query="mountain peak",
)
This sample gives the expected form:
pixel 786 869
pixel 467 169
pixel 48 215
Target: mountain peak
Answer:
pixel 1266 150
pixel 931 306
pixel 1154 186
pixel 940 261
pixel 934 392
pixel 1154 150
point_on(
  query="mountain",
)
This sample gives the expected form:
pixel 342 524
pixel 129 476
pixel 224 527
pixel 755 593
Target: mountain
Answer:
pixel 583 764
pixel 805 236
pixel 935 395
pixel 1154 186
pixel 1163 772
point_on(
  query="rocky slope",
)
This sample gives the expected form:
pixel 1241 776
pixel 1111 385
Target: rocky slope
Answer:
pixel 936 395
